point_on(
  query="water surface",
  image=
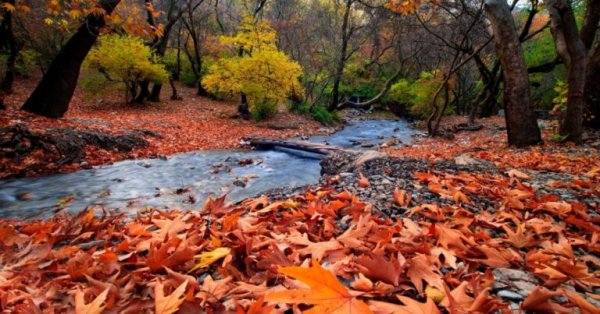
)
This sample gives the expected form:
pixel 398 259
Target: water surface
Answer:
pixel 184 181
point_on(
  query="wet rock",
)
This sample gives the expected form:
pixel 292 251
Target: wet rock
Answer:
pixel 513 282
pixel 24 196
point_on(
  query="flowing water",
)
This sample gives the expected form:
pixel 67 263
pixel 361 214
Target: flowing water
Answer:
pixel 184 181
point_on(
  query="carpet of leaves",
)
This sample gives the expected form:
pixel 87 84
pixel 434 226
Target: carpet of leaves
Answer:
pixel 194 123
pixel 320 251
pixel 490 144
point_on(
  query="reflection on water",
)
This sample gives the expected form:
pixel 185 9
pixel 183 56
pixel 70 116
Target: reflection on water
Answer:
pixel 133 184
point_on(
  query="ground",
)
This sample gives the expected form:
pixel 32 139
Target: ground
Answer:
pixel 194 123
pixel 463 226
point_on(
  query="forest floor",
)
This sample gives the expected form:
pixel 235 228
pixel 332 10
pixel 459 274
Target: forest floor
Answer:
pixel 461 226
pixel 194 123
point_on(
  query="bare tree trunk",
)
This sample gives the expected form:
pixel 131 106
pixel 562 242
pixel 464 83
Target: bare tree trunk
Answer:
pixel 339 71
pixel 161 47
pixel 592 72
pixel 591 90
pixel 521 123
pixel 52 95
pixel 571 48
pixel 8 39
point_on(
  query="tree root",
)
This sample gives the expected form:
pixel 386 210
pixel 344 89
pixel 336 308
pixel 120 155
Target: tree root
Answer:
pixel 18 141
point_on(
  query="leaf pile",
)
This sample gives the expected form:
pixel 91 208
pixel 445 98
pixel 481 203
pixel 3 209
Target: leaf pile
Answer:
pixel 320 252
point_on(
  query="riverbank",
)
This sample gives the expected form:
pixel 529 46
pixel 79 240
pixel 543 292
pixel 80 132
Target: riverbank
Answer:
pixel 194 123
pixel 458 234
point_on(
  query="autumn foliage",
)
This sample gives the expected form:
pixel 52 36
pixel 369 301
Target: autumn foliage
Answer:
pixel 320 252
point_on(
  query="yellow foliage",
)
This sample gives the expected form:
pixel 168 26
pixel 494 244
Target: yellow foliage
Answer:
pixel 262 72
pixel 126 59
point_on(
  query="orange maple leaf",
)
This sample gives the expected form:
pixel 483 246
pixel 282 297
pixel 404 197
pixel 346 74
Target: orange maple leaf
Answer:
pixel 168 304
pixel 326 293
pixel 94 307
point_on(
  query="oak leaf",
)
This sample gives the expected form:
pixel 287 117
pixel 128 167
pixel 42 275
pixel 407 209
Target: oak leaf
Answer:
pixel 326 293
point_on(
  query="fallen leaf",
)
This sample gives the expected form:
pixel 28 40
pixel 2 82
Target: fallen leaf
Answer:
pixel 208 258
pixel 94 307
pixel 326 293
pixel 168 304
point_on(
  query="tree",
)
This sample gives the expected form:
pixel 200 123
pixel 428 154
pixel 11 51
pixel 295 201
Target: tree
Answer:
pixel 8 42
pixel 571 49
pixel 521 122
pixel 128 61
pixel 52 95
pixel 263 73
pixel 342 57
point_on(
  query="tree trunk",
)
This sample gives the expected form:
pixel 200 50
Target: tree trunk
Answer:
pixel 571 48
pixel 521 123
pixel 590 23
pixel 8 39
pixel 592 72
pixel 244 108
pixel 52 95
pixel 591 91
pixel 339 71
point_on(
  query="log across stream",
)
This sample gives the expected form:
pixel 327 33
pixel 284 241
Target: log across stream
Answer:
pixel 184 181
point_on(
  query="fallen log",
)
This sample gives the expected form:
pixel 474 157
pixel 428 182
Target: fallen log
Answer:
pixel 316 148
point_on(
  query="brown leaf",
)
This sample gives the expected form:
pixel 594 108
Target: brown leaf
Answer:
pixel 377 267
pixel 422 269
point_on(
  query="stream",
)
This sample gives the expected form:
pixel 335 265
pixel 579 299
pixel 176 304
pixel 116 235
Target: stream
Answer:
pixel 184 181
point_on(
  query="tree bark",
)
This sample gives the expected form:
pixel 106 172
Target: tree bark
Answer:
pixel 161 47
pixel 572 49
pixel 521 123
pixel 52 95
pixel 590 23
pixel 592 72
pixel 591 90
pixel 7 38
pixel 339 71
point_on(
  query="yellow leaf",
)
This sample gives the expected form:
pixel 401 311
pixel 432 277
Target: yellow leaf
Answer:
pixel 48 21
pixel 207 258
pixel 434 293
pixel 326 293
pixel 75 14
pixel 94 307
pixel 8 7
pixel 170 304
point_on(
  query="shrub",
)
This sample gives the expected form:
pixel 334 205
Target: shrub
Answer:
pixel 321 114
pixel 263 109
pixel 126 60
pixel 27 62
pixel 401 92
pixel 560 101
